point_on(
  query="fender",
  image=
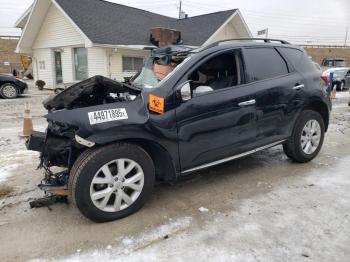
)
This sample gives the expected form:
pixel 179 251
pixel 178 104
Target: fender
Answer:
pixel 321 105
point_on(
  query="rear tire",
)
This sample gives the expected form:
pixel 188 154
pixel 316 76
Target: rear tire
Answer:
pixel 307 138
pixel 101 187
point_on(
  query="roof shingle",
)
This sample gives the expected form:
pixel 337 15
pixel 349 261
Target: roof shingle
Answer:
pixel 114 24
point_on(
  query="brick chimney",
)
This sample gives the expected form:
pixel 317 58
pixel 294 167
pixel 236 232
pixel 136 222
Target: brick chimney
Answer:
pixel 161 36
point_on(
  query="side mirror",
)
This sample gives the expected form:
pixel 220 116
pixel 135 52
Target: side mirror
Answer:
pixel 185 91
pixel 200 90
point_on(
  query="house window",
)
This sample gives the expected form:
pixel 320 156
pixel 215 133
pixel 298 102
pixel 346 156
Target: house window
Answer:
pixel 80 63
pixel 42 65
pixel 132 64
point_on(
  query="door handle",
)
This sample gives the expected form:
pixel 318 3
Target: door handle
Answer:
pixel 298 87
pixel 247 103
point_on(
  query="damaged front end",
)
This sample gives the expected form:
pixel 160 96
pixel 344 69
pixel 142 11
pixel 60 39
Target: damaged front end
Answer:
pixel 72 117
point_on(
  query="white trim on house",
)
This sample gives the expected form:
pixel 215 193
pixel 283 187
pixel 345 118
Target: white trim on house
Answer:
pixel 129 47
pixel 24 18
pixel 18 49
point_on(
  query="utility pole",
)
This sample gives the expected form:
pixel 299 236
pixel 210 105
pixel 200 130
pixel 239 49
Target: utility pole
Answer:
pixel 180 8
pixel 346 36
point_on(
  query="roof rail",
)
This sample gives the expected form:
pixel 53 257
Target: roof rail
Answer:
pixel 266 40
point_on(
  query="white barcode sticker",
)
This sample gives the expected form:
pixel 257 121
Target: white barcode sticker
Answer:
pixel 108 115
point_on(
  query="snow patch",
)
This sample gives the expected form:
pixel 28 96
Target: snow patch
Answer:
pixel 203 209
pixel 156 234
pixel 7 171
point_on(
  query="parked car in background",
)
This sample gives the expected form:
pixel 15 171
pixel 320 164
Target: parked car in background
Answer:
pixel 11 87
pixel 116 139
pixel 334 62
pixel 341 77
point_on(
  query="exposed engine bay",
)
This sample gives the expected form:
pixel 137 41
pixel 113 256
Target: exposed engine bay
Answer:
pixel 96 90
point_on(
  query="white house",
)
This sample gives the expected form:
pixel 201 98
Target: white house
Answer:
pixel 73 40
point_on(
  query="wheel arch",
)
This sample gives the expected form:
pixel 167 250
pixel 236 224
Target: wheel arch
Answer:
pixel 163 162
pixel 321 108
pixel 163 153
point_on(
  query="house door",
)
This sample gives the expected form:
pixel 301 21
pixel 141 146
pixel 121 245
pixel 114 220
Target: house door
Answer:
pixel 58 67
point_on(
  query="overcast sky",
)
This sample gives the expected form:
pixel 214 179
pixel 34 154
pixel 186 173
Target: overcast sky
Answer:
pixel 321 21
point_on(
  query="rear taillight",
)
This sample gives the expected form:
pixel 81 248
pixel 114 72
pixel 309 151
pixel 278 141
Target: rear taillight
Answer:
pixel 325 80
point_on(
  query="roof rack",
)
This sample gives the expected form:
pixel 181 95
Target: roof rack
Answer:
pixel 266 40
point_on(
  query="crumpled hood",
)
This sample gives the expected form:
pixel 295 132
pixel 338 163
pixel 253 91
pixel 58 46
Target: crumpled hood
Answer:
pixel 134 113
pixel 92 91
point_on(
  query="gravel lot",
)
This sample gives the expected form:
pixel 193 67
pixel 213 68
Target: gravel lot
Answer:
pixel 260 208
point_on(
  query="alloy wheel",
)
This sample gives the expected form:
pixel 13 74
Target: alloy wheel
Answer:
pixel 310 137
pixel 117 185
pixel 9 91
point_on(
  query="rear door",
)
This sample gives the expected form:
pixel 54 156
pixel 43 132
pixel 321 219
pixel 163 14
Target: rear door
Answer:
pixel 279 91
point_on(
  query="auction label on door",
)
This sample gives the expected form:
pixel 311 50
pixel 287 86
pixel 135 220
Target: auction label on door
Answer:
pixel 156 104
pixel 108 115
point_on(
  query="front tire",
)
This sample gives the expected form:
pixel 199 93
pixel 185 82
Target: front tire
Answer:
pixel 8 91
pixel 307 138
pixel 111 182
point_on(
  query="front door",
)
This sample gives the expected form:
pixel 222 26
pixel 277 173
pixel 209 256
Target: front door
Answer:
pixel 58 67
pixel 219 120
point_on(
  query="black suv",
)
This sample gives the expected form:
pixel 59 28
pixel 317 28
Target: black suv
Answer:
pixel 219 103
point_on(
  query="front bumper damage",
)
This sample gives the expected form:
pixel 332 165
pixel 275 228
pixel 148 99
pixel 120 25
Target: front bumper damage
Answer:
pixel 69 126
pixel 54 184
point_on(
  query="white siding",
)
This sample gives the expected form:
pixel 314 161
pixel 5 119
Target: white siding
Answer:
pixel 229 31
pixel 116 70
pixel 46 74
pixel 56 31
pixel 97 61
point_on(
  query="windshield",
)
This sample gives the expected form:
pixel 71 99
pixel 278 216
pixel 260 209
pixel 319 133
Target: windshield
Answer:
pixel 339 63
pixel 152 74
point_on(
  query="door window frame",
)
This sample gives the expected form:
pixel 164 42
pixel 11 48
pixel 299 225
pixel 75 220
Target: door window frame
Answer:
pixel 185 76
pixel 248 76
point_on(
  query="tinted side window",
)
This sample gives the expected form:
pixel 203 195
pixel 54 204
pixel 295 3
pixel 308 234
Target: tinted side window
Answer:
pixel 265 63
pixel 293 55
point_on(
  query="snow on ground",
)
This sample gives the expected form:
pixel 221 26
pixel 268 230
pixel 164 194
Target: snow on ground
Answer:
pixel 7 171
pixel 13 152
pixel 264 228
pixel 130 244
pixel 203 209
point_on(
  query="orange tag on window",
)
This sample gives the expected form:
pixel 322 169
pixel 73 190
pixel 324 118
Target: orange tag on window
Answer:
pixel 156 104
